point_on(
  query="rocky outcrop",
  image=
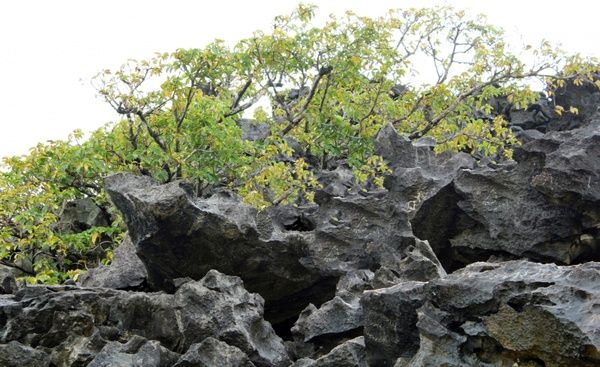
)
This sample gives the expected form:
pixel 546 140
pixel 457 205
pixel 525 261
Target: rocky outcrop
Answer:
pixel 456 262
pixel 77 326
pixel 544 207
pixel 291 256
pixel 488 314
pixel 15 354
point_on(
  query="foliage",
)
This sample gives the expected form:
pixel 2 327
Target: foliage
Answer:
pixel 323 91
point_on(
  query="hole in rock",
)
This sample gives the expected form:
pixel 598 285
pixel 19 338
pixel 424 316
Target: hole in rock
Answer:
pixel 283 313
pixel 300 223
pixel 438 220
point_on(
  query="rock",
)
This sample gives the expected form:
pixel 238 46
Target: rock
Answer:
pixel 126 271
pixel 489 314
pixel 15 354
pixel 215 233
pixel 543 207
pixel 137 352
pixel 390 317
pixel 213 353
pixel 75 324
pixel 254 130
pixel 348 354
pixel 418 173
pixel 290 256
pixel 219 306
pixel 341 314
pixel 81 214
pixel 419 263
pixel 8 284
pixel 586 98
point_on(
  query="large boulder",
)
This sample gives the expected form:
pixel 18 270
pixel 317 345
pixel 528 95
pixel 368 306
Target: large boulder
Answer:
pixel 493 314
pixel 290 256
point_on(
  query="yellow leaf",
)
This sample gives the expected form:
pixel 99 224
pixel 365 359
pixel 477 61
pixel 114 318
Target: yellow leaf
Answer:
pixel 95 237
pixel 559 110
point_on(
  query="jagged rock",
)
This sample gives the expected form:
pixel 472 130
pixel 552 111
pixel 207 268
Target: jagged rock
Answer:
pixel 176 237
pixel 341 314
pixel 81 214
pixel 15 354
pixel 213 353
pixel 418 173
pixel 348 354
pixel 61 319
pixel 543 207
pixel 554 188
pixel 126 271
pixel 137 352
pixel 291 256
pixel 419 263
pixel 488 314
pixel 344 314
pixel 390 316
pixel 220 307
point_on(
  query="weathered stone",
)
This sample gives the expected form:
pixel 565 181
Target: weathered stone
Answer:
pixel 137 352
pixel 543 207
pixel 15 354
pixel 390 316
pixel 219 306
pixel 62 319
pixel 8 284
pixel 126 271
pixel 489 313
pixel 213 353
pixel 341 314
pixel 291 256
pixel 348 354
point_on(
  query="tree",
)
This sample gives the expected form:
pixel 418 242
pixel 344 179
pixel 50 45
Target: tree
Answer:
pixel 323 91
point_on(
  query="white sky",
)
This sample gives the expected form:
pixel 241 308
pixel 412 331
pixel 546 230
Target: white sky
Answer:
pixel 49 50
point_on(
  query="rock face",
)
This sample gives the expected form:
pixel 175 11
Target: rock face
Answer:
pixel 488 314
pixel 544 207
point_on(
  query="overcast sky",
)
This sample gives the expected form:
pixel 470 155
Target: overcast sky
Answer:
pixel 49 50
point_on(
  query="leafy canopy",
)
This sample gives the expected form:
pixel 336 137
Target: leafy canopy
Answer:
pixel 321 93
